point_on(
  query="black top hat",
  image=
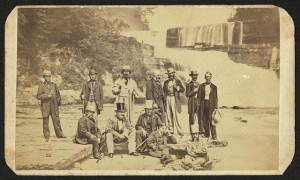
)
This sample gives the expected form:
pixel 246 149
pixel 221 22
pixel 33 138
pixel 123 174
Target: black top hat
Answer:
pixel 120 107
pixel 193 73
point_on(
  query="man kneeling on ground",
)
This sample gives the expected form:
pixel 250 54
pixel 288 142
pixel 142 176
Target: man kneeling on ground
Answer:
pixel 146 123
pixel 119 130
pixel 88 131
pixel 157 143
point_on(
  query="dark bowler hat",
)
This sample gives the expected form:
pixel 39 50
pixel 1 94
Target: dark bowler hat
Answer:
pixel 193 73
pixel 120 107
pixel 92 72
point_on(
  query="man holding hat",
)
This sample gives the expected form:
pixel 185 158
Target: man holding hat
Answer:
pixel 119 130
pixel 191 93
pixel 92 93
pixel 172 88
pixel 146 123
pixel 50 98
pixel 125 89
pixel 154 91
pixel 88 131
pixel 208 103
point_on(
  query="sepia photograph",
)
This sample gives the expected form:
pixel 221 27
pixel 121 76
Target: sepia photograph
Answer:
pixel 149 90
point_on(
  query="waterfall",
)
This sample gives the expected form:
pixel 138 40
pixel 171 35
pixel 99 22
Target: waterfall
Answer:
pixel 208 35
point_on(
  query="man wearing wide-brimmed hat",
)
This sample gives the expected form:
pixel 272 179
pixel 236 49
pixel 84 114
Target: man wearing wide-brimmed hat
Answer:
pixel 172 89
pixel 92 93
pixel 208 103
pixel 125 90
pixel 154 91
pixel 119 130
pixel 146 123
pixel 191 92
pixel 50 98
pixel 88 131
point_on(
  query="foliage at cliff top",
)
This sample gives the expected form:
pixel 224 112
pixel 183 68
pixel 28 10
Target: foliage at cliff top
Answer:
pixel 69 41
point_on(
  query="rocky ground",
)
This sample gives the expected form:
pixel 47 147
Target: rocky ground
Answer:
pixel 252 136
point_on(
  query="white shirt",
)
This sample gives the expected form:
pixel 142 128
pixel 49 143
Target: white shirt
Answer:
pixel 125 89
pixel 207 91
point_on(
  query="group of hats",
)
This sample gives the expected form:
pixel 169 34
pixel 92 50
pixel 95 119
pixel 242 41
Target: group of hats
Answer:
pixel 171 70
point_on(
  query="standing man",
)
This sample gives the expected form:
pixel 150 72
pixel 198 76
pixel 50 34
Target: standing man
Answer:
pixel 154 91
pixel 50 98
pixel 125 89
pixel 92 93
pixel 208 102
pixel 119 130
pixel 172 88
pixel 88 131
pixel 191 93
pixel 146 123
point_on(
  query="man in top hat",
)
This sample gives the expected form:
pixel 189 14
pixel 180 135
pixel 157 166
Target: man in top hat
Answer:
pixel 191 93
pixel 172 89
pixel 154 91
pixel 125 89
pixel 208 102
pixel 146 123
pixel 50 98
pixel 119 130
pixel 88 131
pixel 92 93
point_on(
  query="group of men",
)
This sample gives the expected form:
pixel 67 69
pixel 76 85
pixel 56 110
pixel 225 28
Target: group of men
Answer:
pixel 153 129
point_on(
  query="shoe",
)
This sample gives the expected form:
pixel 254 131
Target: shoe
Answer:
pixel 202 136
pixel 214 139
pixel 135 154
pixel 47 139
pixel 111 155
pixel 62 136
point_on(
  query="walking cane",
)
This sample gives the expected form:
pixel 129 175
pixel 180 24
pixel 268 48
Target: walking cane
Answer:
pixel 83 109
pixel 141 143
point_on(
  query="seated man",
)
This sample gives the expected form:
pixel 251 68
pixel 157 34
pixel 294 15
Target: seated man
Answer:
pixel 119 130
pixel 147 123
pixel 157 143
pixel 88 131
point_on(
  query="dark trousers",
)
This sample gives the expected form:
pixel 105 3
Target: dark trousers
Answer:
pixel 95 147
pixel 192 122
pixel 56 123
pixel 139 139
pixel 160 104
pixel 208 127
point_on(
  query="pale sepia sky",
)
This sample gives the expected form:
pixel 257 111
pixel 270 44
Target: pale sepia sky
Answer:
pixel 169 17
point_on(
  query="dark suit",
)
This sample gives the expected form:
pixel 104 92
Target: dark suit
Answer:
pixel 154 91
pixel 160 141
pixel 149 124
pixel 49 106
pixel 98 94
pixel 193 104
pixel 206 108
pixel 85 129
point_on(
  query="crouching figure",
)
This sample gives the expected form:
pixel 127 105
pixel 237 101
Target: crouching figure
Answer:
pixel 88 131
pixel 157 144
pixel 119 130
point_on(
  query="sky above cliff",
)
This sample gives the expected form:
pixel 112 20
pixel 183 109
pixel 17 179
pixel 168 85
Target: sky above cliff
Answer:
pixel 178 16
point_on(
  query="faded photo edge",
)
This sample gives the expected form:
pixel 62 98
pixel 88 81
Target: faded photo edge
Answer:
pixel 286 120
